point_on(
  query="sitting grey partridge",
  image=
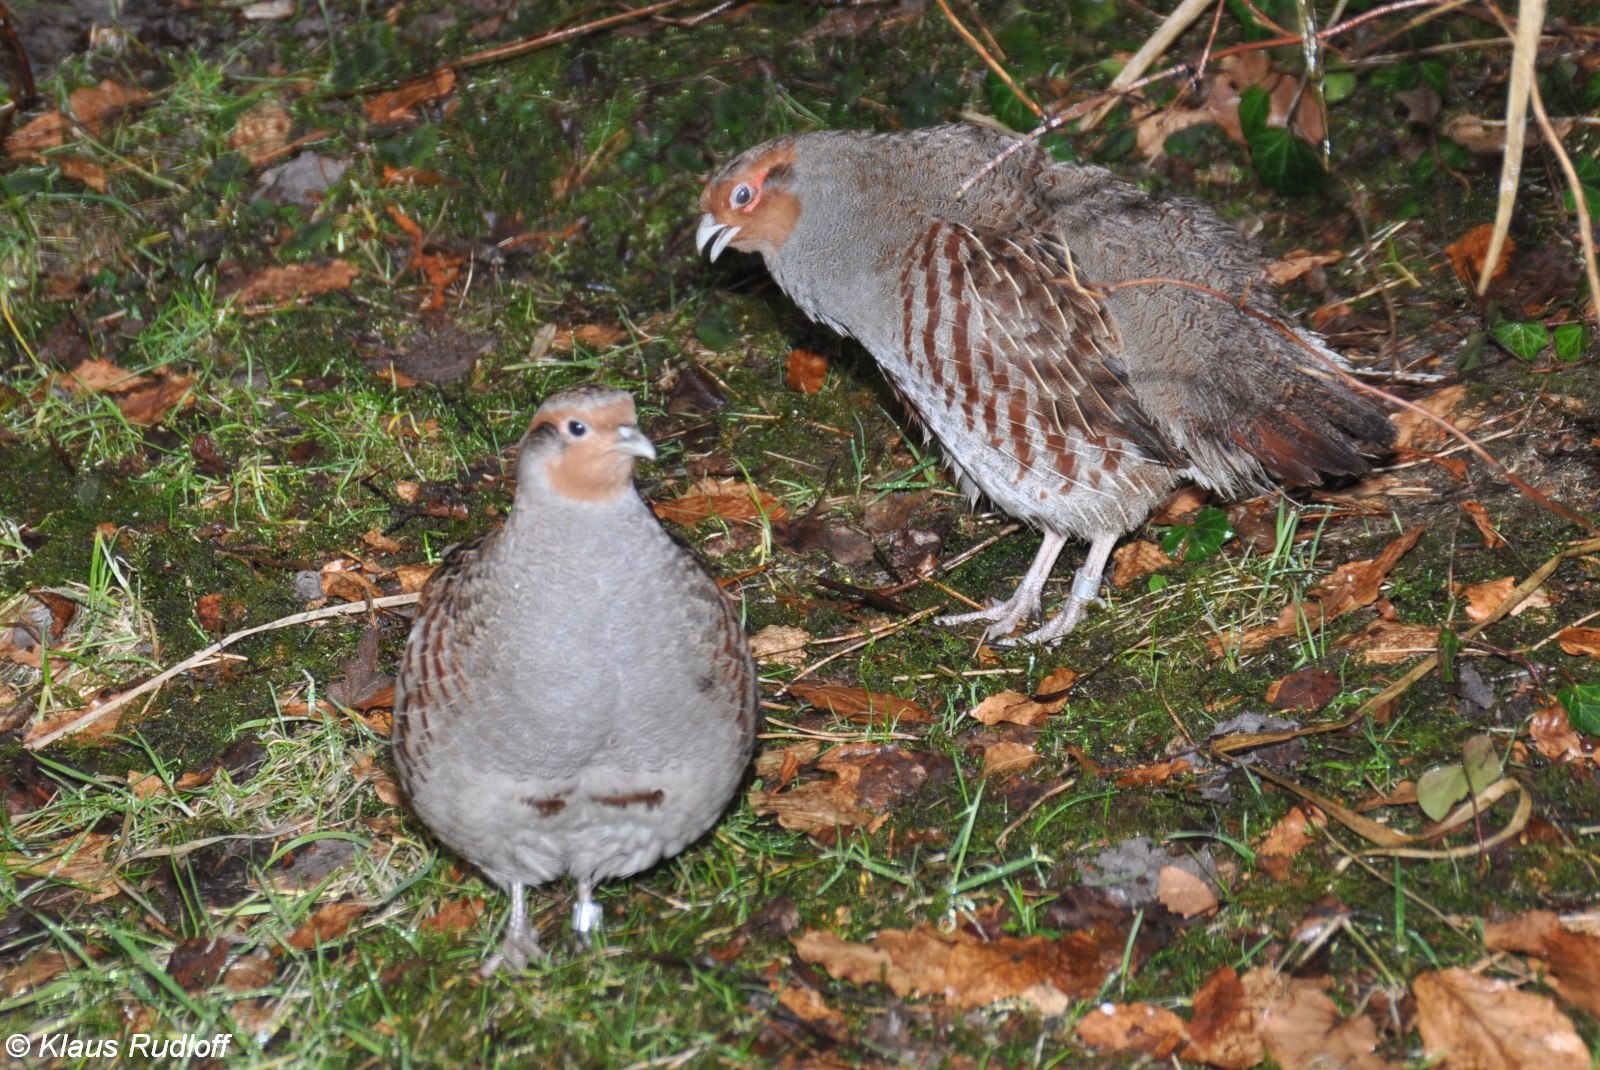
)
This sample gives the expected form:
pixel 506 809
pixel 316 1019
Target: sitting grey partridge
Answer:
pixel 1070 401
pixel 576 695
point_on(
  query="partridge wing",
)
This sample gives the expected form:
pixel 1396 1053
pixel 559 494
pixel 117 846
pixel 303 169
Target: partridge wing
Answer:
pixel 1003 327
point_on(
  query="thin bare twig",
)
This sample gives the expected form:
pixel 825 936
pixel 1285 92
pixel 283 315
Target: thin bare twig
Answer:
pixel 90 717
pixel 1530 20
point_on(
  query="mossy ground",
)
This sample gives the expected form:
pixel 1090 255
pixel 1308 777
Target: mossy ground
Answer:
pixel 293 448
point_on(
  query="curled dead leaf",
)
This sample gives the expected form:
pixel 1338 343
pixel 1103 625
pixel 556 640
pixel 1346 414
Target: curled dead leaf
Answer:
pixel 727 499
pixel 859 704
pixel 805 371
pixel 1468 1021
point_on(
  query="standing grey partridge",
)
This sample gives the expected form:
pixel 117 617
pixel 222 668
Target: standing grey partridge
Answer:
pixel 1071 402
pixel 576 695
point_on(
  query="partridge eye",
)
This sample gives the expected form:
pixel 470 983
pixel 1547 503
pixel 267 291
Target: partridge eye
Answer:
pixel 577 428
pixel 743 194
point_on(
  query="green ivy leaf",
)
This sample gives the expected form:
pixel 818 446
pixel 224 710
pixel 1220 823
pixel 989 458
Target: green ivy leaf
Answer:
pixel 1286 163
pixel 1254 107
pixel 1200 540
pixel 1008 107
pixel 1588 169
pixel 1582 703
pixel 1523 340
pixel 1338 86
pixel 1571 340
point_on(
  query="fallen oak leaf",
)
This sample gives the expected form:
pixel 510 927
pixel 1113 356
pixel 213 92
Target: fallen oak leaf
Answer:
pixel 1584 641
pixel 1468 1021
pixel 727 499
pixel 859 704
pixel 1573 957
pixel 965 970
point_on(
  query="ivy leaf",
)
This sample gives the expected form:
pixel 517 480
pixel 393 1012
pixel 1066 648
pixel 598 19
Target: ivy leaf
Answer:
pixel 1588 169
pixel 1523 340
pixel 1286 163
pixel 1200 540
pixel 1582 704
pixel 1254 107
pixel 1571 340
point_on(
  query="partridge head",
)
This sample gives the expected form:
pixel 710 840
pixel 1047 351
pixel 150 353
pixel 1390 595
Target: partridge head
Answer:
pixel 1077 346
pixel 576 697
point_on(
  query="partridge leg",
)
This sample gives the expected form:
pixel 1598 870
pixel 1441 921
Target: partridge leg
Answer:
pixel 1085 593
pixel 586 913
pixel 521 941
pixel 1024 601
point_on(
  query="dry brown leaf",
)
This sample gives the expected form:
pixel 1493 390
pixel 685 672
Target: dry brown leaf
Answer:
pixel 1303 1029
pixel 1153 775
pixel 145 785
pixel 1288 838
pixel 965 970
pixel 1417 432
pixel 808 1005
pixel 860 705
pixel 593 335
pixel 282 286
pixel 151 401
pixel 1298 264
pixel 401 104
pixel 90 107
pixel 1469 1022
pixel 78 169
pixel 1467 254
pixel 413 577
pixel 100 377
pixel 1008 757
pixel 80 861
pixel 1132 1027
pixel 781 644
pixel 1135 560
pixel 1556 739
pixel 867 780
pixel 1220 105
pixel 99 728
pixel 1225 1030
pixel 455 915
pixel 328 923
pixel 1351 586
pixel 1574 957
pixel 1238 1020
pixel 778 767
pixel 1584 641
pixel 729 499
pixel 1492 539
pixel 1483 598
pixel 35 971
pixel 1183 893
pixel 380 542
pixel 1012 707
pixel 1307 689
pixel 805 371
pixel 262 132
pixel 1384 642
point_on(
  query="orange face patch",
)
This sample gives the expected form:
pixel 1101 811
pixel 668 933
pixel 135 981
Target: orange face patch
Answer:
pixel 589 468
pixel 764 215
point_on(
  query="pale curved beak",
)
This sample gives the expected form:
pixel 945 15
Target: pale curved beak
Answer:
pixel 632 441
pixel 718 235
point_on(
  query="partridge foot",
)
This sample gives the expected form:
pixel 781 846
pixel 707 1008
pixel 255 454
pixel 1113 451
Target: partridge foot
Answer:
pixel 521 942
